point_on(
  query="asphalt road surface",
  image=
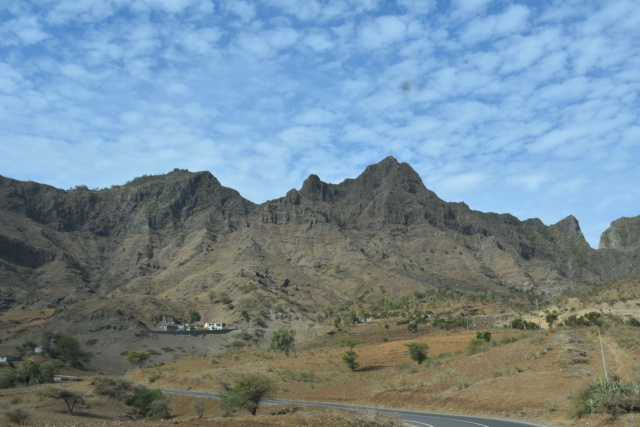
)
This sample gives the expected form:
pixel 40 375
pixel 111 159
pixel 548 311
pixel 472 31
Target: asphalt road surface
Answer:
pixel 413 418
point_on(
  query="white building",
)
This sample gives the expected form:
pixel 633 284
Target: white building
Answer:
pixel 213 326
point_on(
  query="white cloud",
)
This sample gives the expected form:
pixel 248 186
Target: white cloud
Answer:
pixel 464 181
pixel 25 30
pixel 512 20
pixel 246 11
pixel 315 116
pixel 319 41
pixel 381 32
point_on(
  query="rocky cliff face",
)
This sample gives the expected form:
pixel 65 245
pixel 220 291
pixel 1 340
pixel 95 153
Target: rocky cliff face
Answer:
pixel 183 237
pixel 624 234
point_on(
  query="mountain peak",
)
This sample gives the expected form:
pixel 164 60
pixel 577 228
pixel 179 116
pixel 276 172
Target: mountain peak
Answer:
pixel 316 190
pixel 571 227
pixel 389 174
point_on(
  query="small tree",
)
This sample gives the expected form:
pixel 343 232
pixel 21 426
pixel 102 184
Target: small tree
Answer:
pixel 194 316
pixel 284 340
pixel 551 318
pixel 349 341
pixel 351 318
pixel 60 345
pixel 136 357
pixel 418 351
pixel 70 397
pixel 247 392
pixel 199 406
pixel 350 359
pixel 245 316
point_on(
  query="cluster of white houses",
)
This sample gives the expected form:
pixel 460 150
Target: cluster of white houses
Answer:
pixel 191 327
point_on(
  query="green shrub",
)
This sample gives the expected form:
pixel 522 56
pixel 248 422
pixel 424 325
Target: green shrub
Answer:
pixel 523 324
pixel 484 335
pixel 151 403
pixel 113 387
pixel 8 378
pixel 476 346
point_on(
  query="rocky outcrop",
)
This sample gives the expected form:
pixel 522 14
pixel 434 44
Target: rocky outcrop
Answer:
pixel 623 234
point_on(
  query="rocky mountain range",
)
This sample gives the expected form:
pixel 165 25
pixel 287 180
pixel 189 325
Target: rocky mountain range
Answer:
pixel 150 249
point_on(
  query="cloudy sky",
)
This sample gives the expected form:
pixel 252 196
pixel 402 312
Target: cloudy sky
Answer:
pixel 526 107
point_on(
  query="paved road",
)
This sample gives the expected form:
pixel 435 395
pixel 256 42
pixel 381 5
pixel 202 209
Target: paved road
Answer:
pixel 413 418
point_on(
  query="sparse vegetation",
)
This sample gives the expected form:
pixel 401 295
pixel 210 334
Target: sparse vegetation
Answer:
pixel 199 407
pixel 114 388
pixel 17 416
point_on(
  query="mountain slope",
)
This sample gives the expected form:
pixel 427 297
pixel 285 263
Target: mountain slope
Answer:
pixel 181 239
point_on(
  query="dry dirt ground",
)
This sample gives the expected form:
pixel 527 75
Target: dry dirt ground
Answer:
pixel 533 378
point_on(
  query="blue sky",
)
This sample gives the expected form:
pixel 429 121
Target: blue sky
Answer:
pixel 526 107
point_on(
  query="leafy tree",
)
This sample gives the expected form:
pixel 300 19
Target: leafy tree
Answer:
pixel 337 321
pixel 194 316
pixel 551 318
pixel 136 357
pixel 350 359
pixel 70 397
pixel 60 345
pixel 523 324
pixel 351 317
pixel 418 351
pixel 349 341
pixel 284 340
pixel 412 327
pixel 247 392
pixel 245 316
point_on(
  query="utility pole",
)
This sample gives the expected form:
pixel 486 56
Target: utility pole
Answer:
pixel 604 363
pixel 539 327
